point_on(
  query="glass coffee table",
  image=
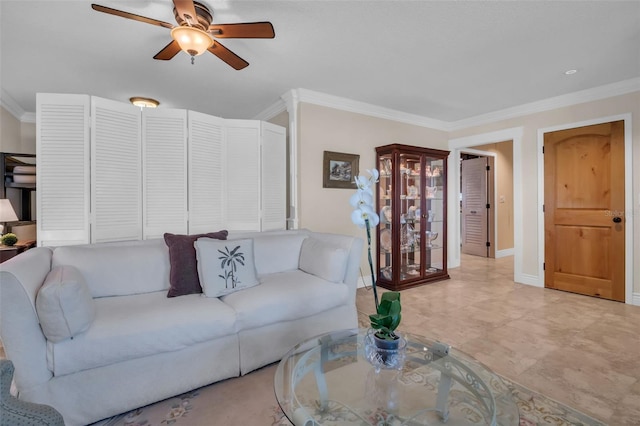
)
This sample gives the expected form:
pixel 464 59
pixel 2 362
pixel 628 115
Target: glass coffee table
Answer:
pixel 327 380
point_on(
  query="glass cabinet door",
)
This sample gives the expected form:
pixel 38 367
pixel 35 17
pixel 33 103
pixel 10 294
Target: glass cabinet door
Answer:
pixel 434 224
pixel 410 212
pixel 385 202
pixel 411 201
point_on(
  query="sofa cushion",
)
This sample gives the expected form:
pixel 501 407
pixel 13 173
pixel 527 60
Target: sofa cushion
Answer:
pixel 129 327
pixel 225 266
pixel 285 296
pixel 116 269
pixel 323 259
pixel 182 257
pixel 64 304
pixel 277 252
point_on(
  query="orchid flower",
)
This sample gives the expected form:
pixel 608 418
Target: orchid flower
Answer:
pixel 361 198
pixel 365 215
pixel 366 184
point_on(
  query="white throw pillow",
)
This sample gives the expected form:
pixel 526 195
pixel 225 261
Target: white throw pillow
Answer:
pixel 64 304
pixel 277 253
pixel 323 260
pixel 225 266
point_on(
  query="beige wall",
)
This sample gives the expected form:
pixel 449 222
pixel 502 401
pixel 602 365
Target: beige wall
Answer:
pixel 326 129
pixel 504 191
pixel 16 136
pixel 624 104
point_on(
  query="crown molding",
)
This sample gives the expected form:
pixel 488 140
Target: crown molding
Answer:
pixel 336 102
pixel 271 111
pixel 28 117
pixel 8 103
pixel 588 95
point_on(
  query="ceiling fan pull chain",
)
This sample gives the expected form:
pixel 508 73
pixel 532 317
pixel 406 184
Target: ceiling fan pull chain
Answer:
pixel 193 58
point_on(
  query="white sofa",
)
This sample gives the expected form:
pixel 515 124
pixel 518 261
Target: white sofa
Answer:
pixel 142 346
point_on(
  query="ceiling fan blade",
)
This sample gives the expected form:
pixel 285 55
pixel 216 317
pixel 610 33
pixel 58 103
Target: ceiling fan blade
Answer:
pixel 169 51
pixel 187 10
pixel 128 15
pixel 243 30
pixel 228 56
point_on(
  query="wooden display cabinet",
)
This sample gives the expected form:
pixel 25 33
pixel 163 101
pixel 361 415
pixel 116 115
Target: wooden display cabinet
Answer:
pixel 411 201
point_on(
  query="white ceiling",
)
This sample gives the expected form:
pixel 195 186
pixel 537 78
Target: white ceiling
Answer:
pixel 445 60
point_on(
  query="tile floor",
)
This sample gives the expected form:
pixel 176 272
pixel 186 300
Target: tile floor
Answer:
pixel 579 350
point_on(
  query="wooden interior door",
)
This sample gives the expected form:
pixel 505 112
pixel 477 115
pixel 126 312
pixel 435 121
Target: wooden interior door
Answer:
pixel 475 214
pixel 584 210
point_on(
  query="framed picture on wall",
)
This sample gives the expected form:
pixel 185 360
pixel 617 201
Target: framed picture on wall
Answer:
pixel 339 170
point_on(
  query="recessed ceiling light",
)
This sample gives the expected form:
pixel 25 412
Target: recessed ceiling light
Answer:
pixel 570 72
pixel 144 102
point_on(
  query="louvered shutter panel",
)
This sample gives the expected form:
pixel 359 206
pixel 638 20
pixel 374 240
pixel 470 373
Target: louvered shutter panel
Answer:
pixel 164 172
pixel 62 149
pixel 243 175
pixel 206 160
pixel 116 187
pixel 274 177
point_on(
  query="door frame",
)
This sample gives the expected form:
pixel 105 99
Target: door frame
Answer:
pixel 514 134
pixel 493 202
pixel 628 194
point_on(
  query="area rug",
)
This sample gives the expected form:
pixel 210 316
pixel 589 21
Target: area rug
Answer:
pixel 250 401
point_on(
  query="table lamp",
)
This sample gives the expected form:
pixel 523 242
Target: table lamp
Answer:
pixel 7 214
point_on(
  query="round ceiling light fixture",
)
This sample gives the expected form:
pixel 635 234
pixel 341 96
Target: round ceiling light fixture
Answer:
pixel 570 72
pixel 144 102
pixel 192 40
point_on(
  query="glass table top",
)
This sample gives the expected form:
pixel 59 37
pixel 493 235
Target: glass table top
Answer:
pixel 327 380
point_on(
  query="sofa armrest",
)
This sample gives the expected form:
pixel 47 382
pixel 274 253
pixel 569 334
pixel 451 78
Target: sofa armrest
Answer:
pixel 353 267
pixel 20 279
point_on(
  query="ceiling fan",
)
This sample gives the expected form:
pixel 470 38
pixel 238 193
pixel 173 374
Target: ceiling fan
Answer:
pixel 195 33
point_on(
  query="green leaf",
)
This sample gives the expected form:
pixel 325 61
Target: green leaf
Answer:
pixel 388 315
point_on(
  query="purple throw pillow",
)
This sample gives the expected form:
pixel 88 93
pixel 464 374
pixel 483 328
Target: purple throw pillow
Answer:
pixel 183 276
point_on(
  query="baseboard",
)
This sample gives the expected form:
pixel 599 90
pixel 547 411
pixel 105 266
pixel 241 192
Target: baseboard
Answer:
pixel 533 280
pixel 635 299
pixel 364 281
pixel 505 252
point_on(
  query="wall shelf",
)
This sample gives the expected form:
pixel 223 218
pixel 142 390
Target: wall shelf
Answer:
pixel 8 162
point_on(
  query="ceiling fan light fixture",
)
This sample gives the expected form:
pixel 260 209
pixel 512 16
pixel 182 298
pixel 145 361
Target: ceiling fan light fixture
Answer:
pixel 144 102
pixel 192 40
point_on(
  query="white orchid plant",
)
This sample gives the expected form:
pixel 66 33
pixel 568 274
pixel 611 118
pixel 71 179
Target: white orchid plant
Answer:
pixel 365 215
pixel 388 315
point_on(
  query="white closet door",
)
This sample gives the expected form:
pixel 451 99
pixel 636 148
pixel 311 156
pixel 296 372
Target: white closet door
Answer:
pixel 164 172
pixel 243 175
pixel 116 187
pixel 62 179
pixel 274 177
pixel 206 160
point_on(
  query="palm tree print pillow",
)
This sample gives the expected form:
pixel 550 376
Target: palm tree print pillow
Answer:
pixel 225 266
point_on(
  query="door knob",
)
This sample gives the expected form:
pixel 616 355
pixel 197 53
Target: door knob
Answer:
pixel 617 219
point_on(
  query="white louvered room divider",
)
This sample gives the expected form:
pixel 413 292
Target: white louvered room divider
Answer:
pixel 164 172
pixel 116 186
pixel 206 173
pixel 243 174
pixel 62 179
pixel 274 172
pixel 108 171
